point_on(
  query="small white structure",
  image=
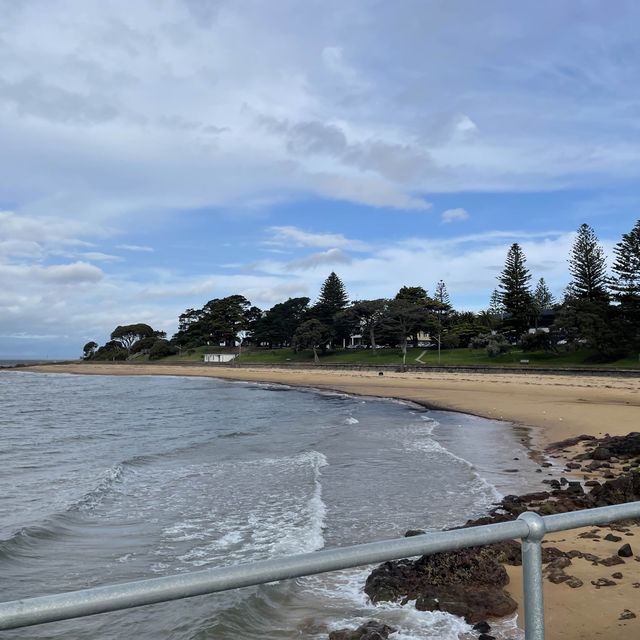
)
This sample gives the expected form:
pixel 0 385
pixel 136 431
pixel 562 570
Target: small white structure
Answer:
pixel 219 357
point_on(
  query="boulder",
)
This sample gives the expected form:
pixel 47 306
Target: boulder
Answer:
pixel 468 583
pixel 625 551
pixel 371 630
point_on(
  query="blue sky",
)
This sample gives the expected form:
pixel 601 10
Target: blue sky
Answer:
pixel 155 155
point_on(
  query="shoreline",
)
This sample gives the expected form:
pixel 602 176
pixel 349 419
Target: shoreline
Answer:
pixel 543 410
pixel 557 407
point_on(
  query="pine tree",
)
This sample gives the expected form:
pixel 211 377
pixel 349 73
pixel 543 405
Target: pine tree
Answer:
pixel 441 294
pixel 515 294
pixel 588 267
pixel 542 299
pixel 333 295
pixel 625 285
pixel 333 298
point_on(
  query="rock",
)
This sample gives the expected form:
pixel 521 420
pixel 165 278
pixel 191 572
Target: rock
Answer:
pixel 574 582
pixel 625 551
pixel 511 470
pixel 627 615
pixel 603 582
pixel 601 453
pixel 414 532
pixel 468 583
pixel 575 488
pixel 546 465
pixel 611 561
pixel 563 481
pixel 617 575
pixel 371 630
pixel 611 538
pixel 591 483
pixel 572 465
pixel 559 563
pixel 486 636
pixel 482 627
pixel 556 577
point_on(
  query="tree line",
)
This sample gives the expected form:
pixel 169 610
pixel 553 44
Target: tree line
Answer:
pixel 598 310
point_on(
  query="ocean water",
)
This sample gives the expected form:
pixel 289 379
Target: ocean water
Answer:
pixel 107 479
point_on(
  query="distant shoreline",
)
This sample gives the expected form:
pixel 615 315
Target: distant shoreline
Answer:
pixel 557 406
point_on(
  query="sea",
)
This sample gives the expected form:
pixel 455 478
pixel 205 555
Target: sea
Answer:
pixel 107 479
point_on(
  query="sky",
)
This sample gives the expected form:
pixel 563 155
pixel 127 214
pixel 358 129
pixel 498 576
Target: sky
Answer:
pixel 157 154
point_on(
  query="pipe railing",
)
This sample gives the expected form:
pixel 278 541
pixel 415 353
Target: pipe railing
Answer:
pixel 529 527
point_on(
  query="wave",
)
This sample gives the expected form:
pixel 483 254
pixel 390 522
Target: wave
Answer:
pixel 423 440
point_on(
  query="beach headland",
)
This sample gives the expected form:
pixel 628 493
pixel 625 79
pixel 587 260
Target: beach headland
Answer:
pixel 551 408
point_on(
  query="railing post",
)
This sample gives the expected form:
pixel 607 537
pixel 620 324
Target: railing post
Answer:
pixel 532 576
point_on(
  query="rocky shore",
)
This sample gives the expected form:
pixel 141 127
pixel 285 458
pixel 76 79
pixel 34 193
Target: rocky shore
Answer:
pixel 472 583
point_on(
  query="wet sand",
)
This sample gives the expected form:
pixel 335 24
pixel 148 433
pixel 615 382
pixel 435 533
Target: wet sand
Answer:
pixel 554 406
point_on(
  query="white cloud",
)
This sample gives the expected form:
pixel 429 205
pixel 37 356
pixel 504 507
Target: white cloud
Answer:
pixel 135 247
pixel 454 215
pixel 289 235
pixel 315 260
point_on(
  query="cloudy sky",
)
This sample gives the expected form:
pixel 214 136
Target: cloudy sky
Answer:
pixel 160 153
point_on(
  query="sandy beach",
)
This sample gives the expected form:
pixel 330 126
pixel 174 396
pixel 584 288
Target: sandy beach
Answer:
pixel 554 407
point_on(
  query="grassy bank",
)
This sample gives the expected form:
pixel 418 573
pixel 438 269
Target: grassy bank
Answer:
pixel 415 357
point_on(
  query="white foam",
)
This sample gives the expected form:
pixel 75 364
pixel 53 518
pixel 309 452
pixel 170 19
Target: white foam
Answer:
pixel 351 420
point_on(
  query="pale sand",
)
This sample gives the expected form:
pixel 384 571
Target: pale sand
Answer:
pixel 556 406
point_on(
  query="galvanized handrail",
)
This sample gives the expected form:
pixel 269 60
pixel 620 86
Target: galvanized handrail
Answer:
pixel 530 527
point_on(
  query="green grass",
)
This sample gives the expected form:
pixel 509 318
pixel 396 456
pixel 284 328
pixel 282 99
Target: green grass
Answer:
pixel 455 357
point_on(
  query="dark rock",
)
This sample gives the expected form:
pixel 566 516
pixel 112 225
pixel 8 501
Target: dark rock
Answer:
pixel 563 481
pixel 572 465
pixel 569 442
pixel 414 532
pixel 617 575
pixel 559 563
pixel 611 561
pixel 625 551
pixel 511 470
pixel 574 582
pixel 468 583
pixel 486 636
pixel 482 627
pixel 371 630
pixel 627 615
pixel 601 453
pixel 603 582
pixel 556 577
pixel 591 483
pixel 575 488
pixel 611 538
pixel 546 465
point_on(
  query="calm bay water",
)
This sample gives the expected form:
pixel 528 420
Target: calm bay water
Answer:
pixel 107 479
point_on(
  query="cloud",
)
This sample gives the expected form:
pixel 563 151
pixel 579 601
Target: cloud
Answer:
pixel 454 215
pixel 135 247
pixel 289 235
pixel 332 256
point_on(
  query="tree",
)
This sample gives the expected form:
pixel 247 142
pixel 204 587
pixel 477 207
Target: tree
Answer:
pixel 402 318
pixel 223 319
pixel 442 312
pixel 89 350
pixel 365 316
pixel 625 285
pixel 514 289
pixel 277 326
pixel 333 298
pixel 311 334
pixel 542 299
pixel 161 349
pixel 588 267
pixel 127 335
pixel 586 314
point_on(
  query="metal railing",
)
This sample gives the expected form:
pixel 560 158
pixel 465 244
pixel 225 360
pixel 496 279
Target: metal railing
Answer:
pixel 529 526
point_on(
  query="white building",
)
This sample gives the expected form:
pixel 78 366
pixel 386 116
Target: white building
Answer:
pixel 219 357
